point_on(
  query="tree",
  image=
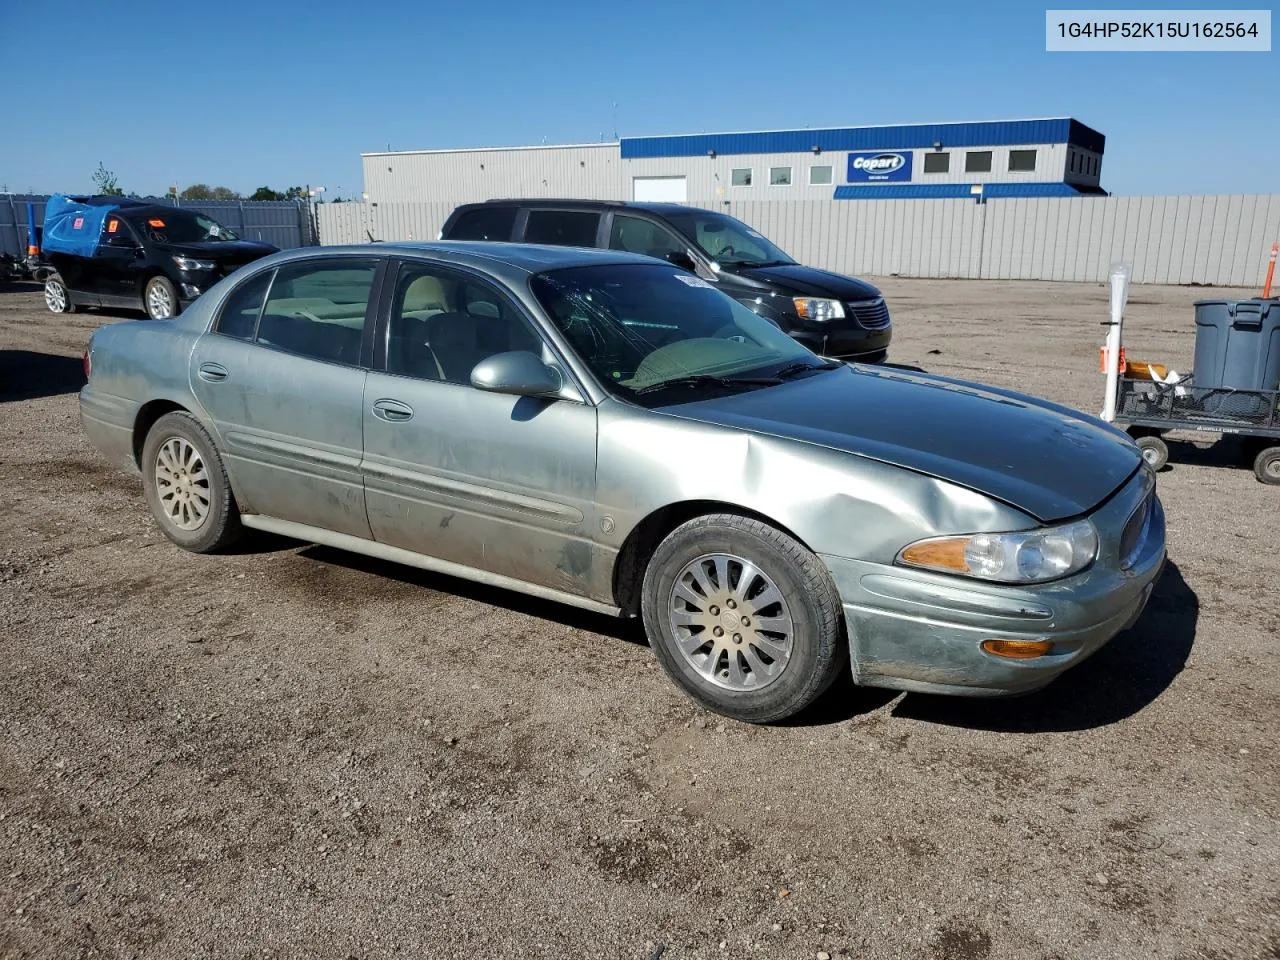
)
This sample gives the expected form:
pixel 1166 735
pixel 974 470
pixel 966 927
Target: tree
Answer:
pixel 295 193
pixel 202 191
pixel 105 181
pixel 225 193
pixel 266 193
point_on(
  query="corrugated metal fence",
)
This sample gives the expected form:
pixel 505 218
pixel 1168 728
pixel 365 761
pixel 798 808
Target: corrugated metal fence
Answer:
pixel 286 223
pixel 1219 240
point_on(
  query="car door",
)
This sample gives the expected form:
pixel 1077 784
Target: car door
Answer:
pixel 282 377
pixel 492 481
pixel 115 270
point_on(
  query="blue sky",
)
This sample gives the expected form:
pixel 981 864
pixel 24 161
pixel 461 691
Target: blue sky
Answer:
pixel 245 94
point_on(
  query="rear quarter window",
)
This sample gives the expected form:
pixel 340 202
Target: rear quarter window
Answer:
pixel 484 223
pixel 239 315
pixel 562 228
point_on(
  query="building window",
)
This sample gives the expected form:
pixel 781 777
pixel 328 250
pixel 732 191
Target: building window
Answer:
pixel 1073 161
pixel 740 177
pixel 937 163
pixel 977 161
pixel 1022 161
pixel 1095 166
pixel 779 176
pixel 819 176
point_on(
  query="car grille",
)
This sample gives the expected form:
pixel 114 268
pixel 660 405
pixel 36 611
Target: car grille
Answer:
pixel 1135 532
pixel 870 314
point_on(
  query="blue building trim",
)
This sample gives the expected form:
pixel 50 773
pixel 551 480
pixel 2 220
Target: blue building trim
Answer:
pixel 946 191
pixel 996 133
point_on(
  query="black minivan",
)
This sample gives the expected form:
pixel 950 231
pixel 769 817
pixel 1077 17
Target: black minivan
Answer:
pixel 136 255
pixel 831 314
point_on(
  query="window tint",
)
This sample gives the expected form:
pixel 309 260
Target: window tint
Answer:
pixel 443 324
pixel 741 177
pixel 937 163
pixel 239 316
pixel 1022 160
pixel 977 161
pixel 819 176
pixel 642 236
pixel 316 309
pixel 484 223
pixel 564 228
pixel 780 176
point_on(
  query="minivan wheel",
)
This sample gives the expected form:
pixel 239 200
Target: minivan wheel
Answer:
pixel 56 295
pixel 742 617
pixel 161 298
pixel 186 485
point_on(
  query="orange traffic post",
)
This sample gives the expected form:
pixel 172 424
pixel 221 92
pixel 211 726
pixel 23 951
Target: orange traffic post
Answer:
pixel 1271 271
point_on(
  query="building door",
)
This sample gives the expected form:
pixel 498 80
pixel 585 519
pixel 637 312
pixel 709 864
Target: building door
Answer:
pixel 660 189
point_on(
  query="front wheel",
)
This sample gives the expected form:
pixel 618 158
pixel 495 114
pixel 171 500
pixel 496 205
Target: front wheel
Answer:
pixel 1267 466
pixel 1155 451
pixel 742 617
pixel 160 298
pixel 186 485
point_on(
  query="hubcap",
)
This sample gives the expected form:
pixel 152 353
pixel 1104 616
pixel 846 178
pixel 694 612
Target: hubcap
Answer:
pixel 182 484
pixel 1150 454
pixel 1272 469
pixel 731 622
pixel 159 303
pixel 55 296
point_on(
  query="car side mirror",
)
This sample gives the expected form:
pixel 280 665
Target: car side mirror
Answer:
pixel 678 258
pixel 519 373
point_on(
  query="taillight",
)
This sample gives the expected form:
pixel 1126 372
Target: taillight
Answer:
pixel 88 364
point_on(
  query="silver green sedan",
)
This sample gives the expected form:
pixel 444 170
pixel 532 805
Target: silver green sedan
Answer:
pixel 615 433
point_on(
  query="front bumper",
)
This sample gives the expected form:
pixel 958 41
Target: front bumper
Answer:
pixel 914 630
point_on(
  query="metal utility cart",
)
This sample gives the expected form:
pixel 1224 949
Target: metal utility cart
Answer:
pixel 1237 350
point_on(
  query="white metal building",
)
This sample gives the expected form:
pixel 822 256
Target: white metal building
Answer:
pixel 992 159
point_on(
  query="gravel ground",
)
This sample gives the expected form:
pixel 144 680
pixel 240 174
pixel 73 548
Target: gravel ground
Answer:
pixel 291 751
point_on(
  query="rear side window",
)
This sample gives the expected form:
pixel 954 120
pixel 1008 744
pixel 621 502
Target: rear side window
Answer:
pixel 239 316
pixel 563 228
pixel 484 223
pixel 317 309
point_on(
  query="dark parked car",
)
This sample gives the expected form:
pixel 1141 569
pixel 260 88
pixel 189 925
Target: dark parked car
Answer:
pixel 116 252
pixel 831 314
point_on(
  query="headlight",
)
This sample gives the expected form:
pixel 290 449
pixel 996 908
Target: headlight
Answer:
pixel 188 263
pixel 811 308
pixel 1027 556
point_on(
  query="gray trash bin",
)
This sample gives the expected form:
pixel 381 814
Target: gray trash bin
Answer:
pixel 1238 344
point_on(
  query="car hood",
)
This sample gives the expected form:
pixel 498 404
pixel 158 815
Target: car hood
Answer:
pixel 1048 461
pixel 810 281
pixel 223 251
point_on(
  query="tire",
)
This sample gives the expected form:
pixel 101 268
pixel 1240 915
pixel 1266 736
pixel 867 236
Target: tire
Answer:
pixel 56 295
pixel 1155 451
pixel 160 299
pixel 760 675
pixel 167 457
pixel 1267 466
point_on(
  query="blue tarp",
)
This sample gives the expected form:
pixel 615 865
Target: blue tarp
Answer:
pixel 73 226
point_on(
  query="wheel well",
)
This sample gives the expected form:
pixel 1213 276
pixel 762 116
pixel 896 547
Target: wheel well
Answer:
pixel 633 557
pixel 148 415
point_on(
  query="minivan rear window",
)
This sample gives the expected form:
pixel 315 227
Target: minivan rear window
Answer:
pixel 484 223
pixel 563 228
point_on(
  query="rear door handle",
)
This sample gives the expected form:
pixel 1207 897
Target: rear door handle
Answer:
pixel 213 372
pixel 392 411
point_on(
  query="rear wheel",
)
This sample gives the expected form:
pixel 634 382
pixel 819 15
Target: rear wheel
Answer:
pixel 160 298
pixel 742 617
pixel 1155 451
pixel 56 295
pixel 1267 466
pixel 186 485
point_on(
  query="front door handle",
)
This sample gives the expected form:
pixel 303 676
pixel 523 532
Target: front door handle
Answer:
pixel 392 411
pixel 213 372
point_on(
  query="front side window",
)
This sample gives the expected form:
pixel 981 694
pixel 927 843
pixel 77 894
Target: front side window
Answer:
pixel 239 315
pixel 819 176
pixel 442 324
pixel 484 223
pixel 977 161
pixel 1022 161
pixel 937 163
pixel 729 242
pixel 779 176
pixel 740 177
pixel 317 309
pixel 562 228
pixel 642 236
pixel 645 329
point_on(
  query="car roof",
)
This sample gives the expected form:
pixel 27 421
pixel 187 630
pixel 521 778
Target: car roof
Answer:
pixel 519 257
pixel 562 202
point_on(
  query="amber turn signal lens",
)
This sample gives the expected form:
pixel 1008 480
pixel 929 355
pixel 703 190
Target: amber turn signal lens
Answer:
pixel 939 554
pixel 1018 649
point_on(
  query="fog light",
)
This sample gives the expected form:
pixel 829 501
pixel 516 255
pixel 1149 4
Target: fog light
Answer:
pixel 1018 649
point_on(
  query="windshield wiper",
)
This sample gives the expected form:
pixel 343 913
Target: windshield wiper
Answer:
pixel 753 264
pixel 706 379
pixel 791 369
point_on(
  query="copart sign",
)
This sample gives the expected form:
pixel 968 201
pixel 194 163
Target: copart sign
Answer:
pixel 875 167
